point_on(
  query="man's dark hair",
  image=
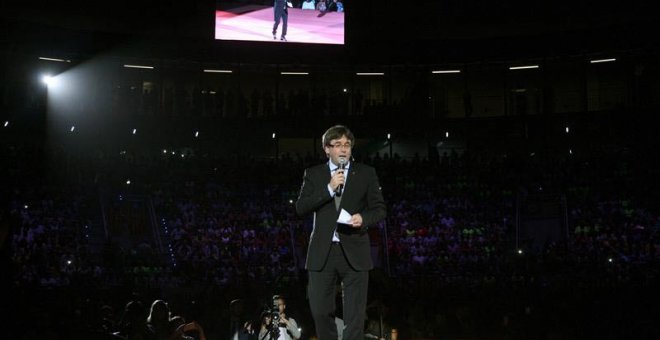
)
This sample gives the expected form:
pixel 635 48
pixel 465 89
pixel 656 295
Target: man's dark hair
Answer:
pixel 336 132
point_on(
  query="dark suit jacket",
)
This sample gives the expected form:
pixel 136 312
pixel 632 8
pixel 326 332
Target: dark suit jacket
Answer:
pixel 361 194
pixel 280 8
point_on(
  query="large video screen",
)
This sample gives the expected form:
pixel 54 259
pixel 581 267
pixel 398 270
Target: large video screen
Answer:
pixel 281 21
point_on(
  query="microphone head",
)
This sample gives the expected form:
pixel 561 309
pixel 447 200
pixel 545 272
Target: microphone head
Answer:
pixel 342 162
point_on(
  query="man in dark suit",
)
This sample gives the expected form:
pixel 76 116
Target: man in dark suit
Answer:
pixel 340 251
pixel 281 13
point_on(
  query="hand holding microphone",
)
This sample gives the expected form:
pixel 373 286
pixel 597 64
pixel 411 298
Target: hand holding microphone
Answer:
pixel 342 167
pixel 338 178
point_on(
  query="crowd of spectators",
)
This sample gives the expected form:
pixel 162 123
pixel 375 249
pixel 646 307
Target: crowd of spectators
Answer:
pixel 256 103
pixel 450 225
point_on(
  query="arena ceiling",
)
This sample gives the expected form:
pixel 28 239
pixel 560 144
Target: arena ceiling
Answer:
pixel 384 31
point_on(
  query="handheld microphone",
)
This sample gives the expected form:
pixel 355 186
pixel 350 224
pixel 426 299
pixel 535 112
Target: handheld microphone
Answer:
pixel 342 166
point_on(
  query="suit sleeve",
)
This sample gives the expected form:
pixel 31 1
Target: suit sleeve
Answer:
pixel 312 195
pixel 376 209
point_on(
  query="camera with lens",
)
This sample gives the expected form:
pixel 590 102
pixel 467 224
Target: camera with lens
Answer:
pixel 274 313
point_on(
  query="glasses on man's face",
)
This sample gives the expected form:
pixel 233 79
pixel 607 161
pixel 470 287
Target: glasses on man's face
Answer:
pixel 341 146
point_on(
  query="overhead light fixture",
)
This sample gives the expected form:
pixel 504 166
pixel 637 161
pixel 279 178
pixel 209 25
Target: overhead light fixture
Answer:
pixel 596 61
pixel 208 70
pixel 295 73
pixel 55 59
pixel 445 71
pixel 527 67
pixel 370 73
pixel 139 66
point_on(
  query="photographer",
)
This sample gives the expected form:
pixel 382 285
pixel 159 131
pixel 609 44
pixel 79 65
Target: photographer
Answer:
pixel 287 328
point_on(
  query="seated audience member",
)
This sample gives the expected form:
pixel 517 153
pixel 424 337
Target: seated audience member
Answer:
pixel 321 6
pixel 340 6
pixel 308 4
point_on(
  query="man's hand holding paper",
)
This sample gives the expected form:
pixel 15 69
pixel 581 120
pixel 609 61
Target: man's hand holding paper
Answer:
pixel 345 217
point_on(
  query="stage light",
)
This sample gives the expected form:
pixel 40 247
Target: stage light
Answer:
pixel 446 134
pixel 128 182
pixel 196 134
pixel 570 151
pixel 370 73
pixel 520 251
pixel 73 127
pixel 134 131
pixel 294 73
pixel 48 80
pixel 6 123
pixel 164 150
pixel 274 135
pixel 568 129
pixel 610 260
pixel 389 136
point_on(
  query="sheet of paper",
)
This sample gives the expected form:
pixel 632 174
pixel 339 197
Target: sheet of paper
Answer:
pixel 344 217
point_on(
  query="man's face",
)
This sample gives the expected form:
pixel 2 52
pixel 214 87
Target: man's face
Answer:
pixel 339 148
pixel 280 305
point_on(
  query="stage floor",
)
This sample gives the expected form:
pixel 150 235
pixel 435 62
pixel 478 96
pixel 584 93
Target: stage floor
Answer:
pixel 255 23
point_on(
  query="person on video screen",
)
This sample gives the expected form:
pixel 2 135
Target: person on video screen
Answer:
pixel 281 14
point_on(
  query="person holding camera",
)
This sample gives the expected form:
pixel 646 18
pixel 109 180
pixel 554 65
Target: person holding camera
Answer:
pixel 286 327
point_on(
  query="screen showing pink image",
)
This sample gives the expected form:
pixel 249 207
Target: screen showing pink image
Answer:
pixel 299 21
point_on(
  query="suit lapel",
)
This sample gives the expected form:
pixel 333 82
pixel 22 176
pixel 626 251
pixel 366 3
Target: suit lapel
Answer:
pixel 352 178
